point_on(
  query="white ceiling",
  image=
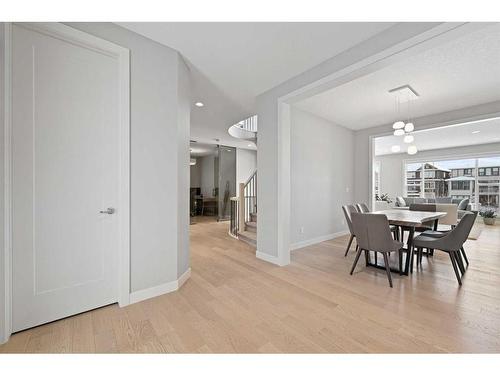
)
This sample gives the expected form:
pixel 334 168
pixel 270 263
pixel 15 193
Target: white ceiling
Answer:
pixel 461 73
pixel 232 63
pixel 445 137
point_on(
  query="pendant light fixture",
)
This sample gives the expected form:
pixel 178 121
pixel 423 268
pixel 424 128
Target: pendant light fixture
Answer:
pixel 401 128
pixel 398 125
pixel 408 138
pixel 412 150
pixel 395 148
pixel 399 132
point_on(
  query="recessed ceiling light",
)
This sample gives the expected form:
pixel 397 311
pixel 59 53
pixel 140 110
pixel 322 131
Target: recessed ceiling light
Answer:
pixel 476 131
pixel 199 104
pixel 250 145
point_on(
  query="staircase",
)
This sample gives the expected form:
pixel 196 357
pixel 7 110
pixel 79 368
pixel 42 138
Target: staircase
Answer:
pixel 245 129
pixel 243 222
pixel 249 235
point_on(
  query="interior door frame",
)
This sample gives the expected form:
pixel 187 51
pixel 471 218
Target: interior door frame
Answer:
pixel 122 55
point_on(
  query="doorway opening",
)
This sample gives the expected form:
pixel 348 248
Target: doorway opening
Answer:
pixel 212 182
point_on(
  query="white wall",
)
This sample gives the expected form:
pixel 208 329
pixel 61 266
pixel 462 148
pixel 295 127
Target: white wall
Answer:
pixel 3 312
pixel 246 164
pixel 160 102
pixel 159 109
pixel 272 158
pixel 321 175
pixel 391 166
pixel 183 195
pixel 362 177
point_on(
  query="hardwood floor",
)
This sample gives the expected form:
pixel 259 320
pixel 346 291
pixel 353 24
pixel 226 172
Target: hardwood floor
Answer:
pixel 237 303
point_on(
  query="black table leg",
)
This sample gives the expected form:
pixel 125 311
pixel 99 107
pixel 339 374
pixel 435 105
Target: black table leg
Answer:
pixel 409 245
pixel 430 252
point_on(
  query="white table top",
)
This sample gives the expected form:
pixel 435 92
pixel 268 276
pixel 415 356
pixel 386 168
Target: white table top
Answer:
pixel 410 218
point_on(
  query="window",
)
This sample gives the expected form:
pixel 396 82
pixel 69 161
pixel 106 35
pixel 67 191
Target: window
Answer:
pixel 376 177
pixel 476 179
pixel 460 185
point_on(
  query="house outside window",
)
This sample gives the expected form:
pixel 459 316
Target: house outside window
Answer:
pixel 476 179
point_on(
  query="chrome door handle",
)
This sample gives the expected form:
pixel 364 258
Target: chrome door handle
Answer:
pixel 109 211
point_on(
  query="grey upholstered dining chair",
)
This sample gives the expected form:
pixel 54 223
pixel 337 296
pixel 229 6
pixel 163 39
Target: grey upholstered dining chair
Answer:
pixel 427 207
pixel 363 208
pixel 373 234
pixel 451 242
pixel 348 210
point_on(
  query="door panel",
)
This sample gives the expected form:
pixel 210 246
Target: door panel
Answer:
pixel 65 163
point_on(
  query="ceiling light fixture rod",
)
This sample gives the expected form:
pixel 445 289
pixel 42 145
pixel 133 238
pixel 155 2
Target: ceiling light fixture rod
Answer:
pixel 399 89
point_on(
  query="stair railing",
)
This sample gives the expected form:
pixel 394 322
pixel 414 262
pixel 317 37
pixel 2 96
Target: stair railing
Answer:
pixel 250 196
pixel 234 221
pixel 244 206
pixel 249 124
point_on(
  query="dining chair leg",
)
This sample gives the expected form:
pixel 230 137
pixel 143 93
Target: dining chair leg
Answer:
pixel 387 268
pixel 464 255
pixel 455 268
pixel 349 244
pixel 460 263
pixel 367 257
pixel 356 259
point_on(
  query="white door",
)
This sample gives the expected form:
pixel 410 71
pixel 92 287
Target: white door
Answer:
pixel 65 170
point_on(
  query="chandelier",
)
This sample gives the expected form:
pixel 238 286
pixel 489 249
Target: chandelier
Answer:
pixel 404 94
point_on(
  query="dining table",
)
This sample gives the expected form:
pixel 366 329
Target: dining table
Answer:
pixel 409 220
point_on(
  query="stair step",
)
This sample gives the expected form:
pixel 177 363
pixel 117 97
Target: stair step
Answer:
pixel 251 226
pixel 248 237
pixel 253 217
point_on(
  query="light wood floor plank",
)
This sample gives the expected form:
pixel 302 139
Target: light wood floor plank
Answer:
pixel 235 303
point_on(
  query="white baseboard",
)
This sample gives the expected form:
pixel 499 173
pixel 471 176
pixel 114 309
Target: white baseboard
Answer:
pixel 312 241
pixel 269 258
pixel 184 277
pixel 158 290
